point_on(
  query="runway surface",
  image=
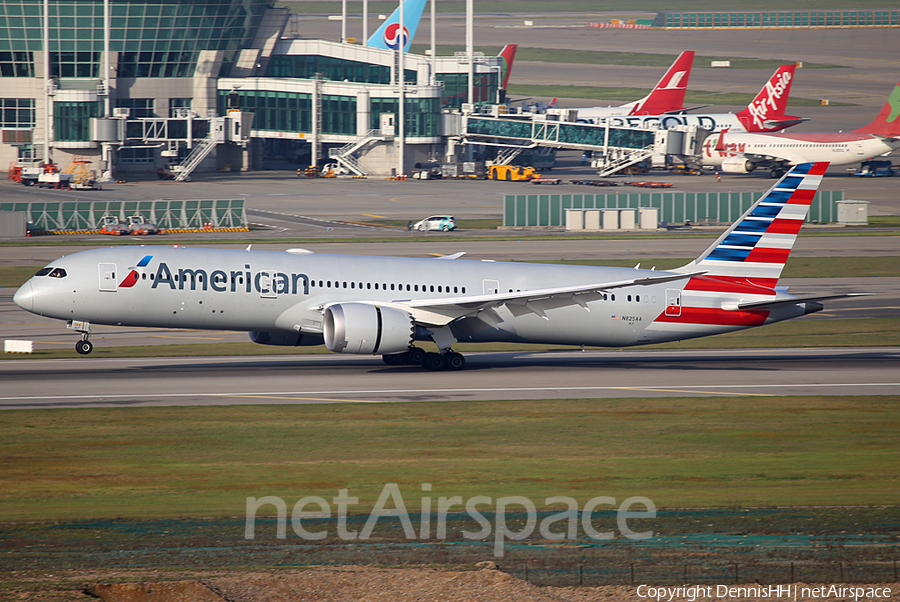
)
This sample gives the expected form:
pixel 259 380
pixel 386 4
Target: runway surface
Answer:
pixel 505 376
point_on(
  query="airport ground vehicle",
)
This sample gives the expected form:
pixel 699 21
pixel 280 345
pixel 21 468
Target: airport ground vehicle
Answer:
pixel 110 224
pixel 436 222
pixel 874 169
pixel 512 173
pixel 139 225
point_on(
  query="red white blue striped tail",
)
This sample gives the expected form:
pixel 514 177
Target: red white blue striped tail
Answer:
pixel 754 249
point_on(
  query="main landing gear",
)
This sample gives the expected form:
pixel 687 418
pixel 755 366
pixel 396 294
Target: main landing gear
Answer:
pixel 449 360
pixel 84 346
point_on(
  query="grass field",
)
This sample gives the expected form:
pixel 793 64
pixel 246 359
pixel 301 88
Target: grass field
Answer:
pixel 204 461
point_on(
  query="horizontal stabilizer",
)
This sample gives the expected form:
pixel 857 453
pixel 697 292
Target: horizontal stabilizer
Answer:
pixel 795 301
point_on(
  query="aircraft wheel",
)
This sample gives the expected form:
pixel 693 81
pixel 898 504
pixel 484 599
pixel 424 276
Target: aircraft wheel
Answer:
pixel 433 362
pixel 394 359
pixel 84 347
pixel 454 361
pixel 776 173
pixel 414 356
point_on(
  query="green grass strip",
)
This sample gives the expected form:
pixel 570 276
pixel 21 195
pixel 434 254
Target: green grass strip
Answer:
pixel 604 57
pixel 205 461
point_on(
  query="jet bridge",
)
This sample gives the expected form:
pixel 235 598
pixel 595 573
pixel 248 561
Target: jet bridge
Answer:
pixel 614 148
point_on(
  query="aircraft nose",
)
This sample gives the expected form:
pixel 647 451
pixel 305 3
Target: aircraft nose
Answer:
pixel 24 297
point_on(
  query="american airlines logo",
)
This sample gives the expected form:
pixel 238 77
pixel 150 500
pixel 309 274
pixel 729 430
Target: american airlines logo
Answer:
pixel 264 282
pixel 772 93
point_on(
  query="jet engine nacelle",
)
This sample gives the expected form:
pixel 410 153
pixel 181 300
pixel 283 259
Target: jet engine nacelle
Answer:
pixel 737 165
pixel 285 339
pixel 367 328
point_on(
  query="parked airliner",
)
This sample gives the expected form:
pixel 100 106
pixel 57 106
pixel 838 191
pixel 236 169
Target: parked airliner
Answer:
pixel 742 153
pixel 765 113
pixel 666 96
pixel 382 305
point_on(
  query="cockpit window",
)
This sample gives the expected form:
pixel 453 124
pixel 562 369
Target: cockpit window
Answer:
pixel 57 273
pixel 44 271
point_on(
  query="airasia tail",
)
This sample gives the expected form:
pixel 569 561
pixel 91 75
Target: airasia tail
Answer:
pixel 766 113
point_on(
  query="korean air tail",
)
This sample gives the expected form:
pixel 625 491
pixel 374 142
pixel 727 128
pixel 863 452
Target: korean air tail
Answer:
pixel 753 251
pixel 668 95
pixel 887 122
pixel 766 113
pixel 508 54
pixel 388 35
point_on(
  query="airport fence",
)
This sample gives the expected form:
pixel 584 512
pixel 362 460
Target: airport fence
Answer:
pixel 592 572
pixel 776 19
pixel 524 210
pixel 168 214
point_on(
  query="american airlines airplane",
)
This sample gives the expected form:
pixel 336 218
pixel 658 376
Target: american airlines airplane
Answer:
pixel 382 305
pixel 742 153
pixel 666 97
pixel 765 113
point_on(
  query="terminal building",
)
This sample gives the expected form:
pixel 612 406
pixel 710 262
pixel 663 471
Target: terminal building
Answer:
pixel 133 86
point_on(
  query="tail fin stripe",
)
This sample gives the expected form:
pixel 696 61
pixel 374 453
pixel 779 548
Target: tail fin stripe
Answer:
pixel 766 255
pixel 754 225
pixel 738 239
pixel 771 211
pixel 785 226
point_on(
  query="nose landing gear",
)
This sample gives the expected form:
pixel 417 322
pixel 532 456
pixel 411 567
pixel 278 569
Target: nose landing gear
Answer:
pixel 84 346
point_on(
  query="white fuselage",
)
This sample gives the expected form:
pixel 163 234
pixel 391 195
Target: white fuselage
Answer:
pixel 279 291
pixel 793 149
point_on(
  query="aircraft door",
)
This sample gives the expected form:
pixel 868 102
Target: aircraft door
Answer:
pixel 268 283
pixel 491 287
pixel 107 277
pixel 673 302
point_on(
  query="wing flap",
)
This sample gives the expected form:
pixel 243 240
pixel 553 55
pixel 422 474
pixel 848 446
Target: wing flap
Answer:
pixel 794 301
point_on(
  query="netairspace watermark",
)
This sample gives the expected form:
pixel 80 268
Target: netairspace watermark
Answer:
pixel 789 592
pixel 501 530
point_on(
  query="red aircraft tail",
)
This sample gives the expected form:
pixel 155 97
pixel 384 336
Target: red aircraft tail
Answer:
pixel 767 111
pixel 886 123
pixel 668 95
pixel 508 54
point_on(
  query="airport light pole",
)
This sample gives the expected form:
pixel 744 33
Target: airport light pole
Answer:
pixel 470 47
pixel 401 76
pixel 365 39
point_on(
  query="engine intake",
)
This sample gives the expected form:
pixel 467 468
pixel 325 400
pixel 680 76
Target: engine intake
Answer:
pixel 364 328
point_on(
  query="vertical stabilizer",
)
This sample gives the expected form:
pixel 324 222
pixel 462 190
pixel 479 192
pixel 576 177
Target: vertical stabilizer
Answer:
pixel 770 104
pixel 668 95
pixel 754 249
pixel 887 122
pixel 388 35
pixel 508 54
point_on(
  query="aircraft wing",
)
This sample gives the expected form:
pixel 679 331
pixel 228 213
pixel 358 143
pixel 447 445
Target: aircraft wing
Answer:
pixel 441 311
